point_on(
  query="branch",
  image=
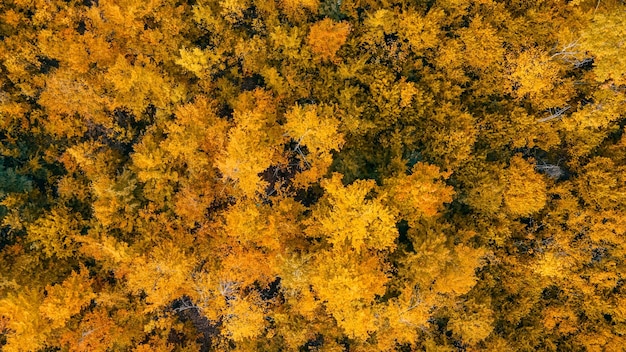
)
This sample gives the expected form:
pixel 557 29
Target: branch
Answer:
pixel 565 51
pixel 184 308
pixel 558 113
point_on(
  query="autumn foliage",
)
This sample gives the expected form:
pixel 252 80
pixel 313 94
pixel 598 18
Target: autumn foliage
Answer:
pixel 312 175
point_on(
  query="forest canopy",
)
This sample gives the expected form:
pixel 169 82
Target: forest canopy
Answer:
pixel 312 175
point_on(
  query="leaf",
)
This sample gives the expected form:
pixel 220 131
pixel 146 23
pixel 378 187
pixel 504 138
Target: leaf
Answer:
pixel 525 191
pixel 326 37
pixel 68 298
pixel 420 194
pixel 349 218
pixel 245 318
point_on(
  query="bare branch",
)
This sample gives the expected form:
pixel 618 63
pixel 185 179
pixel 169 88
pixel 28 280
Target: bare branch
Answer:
pixel 566 50
pixel 552 171
pixel 555 114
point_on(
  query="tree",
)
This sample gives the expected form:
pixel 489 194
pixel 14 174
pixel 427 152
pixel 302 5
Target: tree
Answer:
pixel 253 143
pixel 326 37
pixel 260 175
pixel 525 190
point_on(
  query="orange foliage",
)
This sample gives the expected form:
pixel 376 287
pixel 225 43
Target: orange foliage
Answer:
pixel 326 37
pixel 320 175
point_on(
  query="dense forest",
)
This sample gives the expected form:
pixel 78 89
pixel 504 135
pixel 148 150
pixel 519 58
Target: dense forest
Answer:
pixel 312 175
